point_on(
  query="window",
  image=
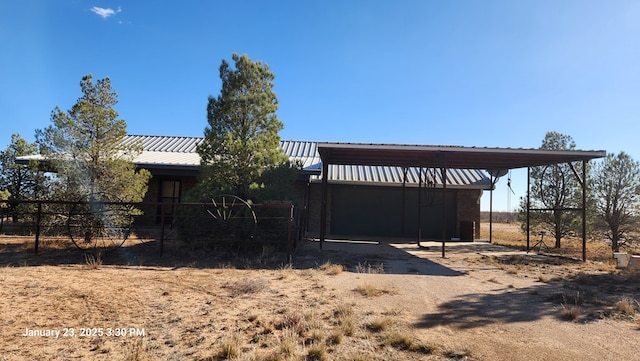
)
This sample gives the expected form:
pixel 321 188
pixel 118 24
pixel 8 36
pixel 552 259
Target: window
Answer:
pixel 169 193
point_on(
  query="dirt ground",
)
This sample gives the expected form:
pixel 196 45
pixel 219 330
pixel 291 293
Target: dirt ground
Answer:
pixel 349 301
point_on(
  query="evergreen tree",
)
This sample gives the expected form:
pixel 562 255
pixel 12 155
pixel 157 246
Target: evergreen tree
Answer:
pixel 19 181
pixel 554 188
pixel 241 140
pixel 83 146
pixel 616 185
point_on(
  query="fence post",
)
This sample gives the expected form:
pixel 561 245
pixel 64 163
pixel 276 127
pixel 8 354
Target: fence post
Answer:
pixel 35 247
pixel 161 229
pixel 289 230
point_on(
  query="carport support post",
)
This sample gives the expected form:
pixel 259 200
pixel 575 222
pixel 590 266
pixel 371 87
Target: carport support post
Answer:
pixel 444 207
pixel 584 211
pixel 419 206
pixel 528 205
pixel 404 187
pixel 491 208
pixel 323 202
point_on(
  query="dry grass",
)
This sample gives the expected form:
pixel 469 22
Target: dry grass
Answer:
pixel 332 268
pixel 379 324
pixel 344 315
pixel 510 234
pixel 407 342
pixel 93 261
pixel 369 268
pixel 570 313
pixel 317 353
pixel 229 348
pixel 627 307
pixel 369 290
pixel 248 286
pixel 465 354
pixel 227 311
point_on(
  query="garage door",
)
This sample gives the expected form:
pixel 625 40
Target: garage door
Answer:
pixel 377 211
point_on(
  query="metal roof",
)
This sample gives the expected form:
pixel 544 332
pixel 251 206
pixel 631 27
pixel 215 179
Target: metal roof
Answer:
pixel 171 144
pixel 164 151
pixel 448 156
pixel 394 176
pixel 374 164
pixel 304 152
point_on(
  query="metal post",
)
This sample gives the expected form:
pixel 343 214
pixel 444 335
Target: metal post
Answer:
pixel 289 231
pixel 528 206
pixel 323 202
pixel 491 208
pixel 419 205
pixel 444 207
pixel 404 184
pixel 584 211
pixel 38 217
pixel 161 229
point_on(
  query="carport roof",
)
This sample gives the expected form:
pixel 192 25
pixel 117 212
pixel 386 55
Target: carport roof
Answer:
pixel 448 156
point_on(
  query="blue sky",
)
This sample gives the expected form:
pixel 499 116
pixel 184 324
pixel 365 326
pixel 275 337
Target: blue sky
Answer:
pixel 470 73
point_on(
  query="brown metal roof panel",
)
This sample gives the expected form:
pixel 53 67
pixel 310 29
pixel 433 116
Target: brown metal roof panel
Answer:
pixel 448 156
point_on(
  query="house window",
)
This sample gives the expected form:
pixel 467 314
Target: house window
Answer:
pixel 169 193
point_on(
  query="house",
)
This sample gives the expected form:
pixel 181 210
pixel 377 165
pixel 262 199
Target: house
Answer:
pixel 371 190
pixel 364 200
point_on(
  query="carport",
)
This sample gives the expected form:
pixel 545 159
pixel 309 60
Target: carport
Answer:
pixel 493 160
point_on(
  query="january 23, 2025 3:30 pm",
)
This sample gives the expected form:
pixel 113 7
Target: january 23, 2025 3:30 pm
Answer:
pixel 84 332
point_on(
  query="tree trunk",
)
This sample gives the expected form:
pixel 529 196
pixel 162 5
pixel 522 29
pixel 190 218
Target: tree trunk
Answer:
pixel 615 236
pixel 557 215
pixel 615 242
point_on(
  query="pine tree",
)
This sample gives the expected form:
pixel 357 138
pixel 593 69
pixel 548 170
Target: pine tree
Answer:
pixel 83 146
pixel 616 186
pixel 19 181
pixel 555 188
pixel 241 140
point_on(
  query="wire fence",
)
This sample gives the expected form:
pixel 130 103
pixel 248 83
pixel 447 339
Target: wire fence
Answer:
pixel 226 222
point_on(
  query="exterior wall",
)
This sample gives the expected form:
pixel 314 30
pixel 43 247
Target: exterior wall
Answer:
pixel 462 205
pixel 469 209
pixel 151 212
pixel 314 195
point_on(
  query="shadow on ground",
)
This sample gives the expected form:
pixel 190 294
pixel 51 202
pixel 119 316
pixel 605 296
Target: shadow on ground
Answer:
pixel 382 256
pixel 477 310
pixel 392 257
pixel 578 298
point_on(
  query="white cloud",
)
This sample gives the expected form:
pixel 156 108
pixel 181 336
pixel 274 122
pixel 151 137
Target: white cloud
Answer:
pixel 105 13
